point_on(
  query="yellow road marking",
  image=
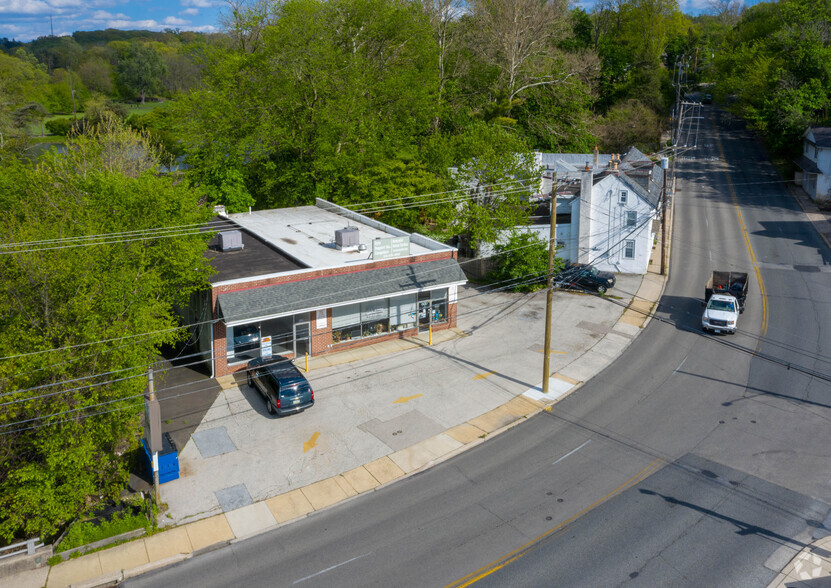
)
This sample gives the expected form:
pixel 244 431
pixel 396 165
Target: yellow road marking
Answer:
pixel 487 570
pixel 745 235
pixel 405 399
pixel 541 350
pixel 483 376
pixel 312 442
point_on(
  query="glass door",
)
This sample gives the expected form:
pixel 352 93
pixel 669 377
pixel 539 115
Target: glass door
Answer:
pixel 301 340
pixel 424 307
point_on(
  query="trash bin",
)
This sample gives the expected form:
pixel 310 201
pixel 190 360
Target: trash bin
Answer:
pixel 168 459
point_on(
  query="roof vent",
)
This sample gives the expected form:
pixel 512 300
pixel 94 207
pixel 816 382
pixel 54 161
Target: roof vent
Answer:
pixel 230 241
pixel 348 238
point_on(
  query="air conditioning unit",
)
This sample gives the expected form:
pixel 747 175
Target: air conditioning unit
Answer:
pixel 230 241
pixel 348 238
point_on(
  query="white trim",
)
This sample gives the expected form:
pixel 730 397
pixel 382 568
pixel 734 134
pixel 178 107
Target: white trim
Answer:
pixel 316 308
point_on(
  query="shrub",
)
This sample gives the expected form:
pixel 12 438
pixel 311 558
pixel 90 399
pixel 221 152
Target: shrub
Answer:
pixel 54 560
pixel 58 126
pixel 90 532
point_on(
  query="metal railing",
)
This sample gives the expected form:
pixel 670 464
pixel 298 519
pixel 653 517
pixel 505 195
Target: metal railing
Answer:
pixel 24 547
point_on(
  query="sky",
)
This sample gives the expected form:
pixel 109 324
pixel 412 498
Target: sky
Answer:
pixel 25 20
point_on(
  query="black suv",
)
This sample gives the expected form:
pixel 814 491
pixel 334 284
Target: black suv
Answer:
pixel 282 385
pixel 584 276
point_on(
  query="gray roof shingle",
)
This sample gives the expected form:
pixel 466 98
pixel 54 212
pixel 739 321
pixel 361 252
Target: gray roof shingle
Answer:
pixel 822 136
pixel 327 291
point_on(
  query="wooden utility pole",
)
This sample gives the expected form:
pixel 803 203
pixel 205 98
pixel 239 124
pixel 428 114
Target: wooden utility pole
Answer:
pixel 153 430
pixel 664 221
pixel 549 295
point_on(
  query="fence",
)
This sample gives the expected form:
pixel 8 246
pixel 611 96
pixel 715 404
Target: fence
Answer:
pixel 25 547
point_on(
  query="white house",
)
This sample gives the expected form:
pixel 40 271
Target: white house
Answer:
pixel 605 207
pixel 814 174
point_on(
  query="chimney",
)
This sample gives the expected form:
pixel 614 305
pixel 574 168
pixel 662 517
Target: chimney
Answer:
pixel 584 215
pixel 615 161
pixel 596 155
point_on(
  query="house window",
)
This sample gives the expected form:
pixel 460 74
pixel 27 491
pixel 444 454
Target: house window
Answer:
pixel 631 218
pixel 629 249
pixel 624 195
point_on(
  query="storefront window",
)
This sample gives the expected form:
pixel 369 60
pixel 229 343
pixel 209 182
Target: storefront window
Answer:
pixel 346 323
pixel 243 342
pixel 402 312
pixel 439 301
pixel 281 331
pixel 375 317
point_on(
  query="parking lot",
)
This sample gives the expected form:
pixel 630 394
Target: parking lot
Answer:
pixel 381 399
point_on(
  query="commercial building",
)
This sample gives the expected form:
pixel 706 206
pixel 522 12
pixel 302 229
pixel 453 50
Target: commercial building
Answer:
pixel 317 279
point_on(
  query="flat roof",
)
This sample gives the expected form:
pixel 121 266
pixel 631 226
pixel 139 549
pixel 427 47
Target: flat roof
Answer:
pixel 307 234
pixel 256 258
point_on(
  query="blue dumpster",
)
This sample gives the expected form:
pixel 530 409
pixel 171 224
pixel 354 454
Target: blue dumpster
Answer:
pixel 168 460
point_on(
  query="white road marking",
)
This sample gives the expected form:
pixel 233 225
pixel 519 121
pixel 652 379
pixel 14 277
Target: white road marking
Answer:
pixel 680 365
pixel 572 451
pixel 329 569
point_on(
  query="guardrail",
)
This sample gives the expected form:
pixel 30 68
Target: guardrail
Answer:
pixel 24 547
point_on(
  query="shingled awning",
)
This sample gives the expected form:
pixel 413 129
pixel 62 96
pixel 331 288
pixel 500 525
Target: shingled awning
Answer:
pixel 807 165
pixel 304 295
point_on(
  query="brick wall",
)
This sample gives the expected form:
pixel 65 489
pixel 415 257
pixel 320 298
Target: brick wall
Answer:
pixel 321 339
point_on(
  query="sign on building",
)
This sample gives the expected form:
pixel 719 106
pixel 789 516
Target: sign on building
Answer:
pixel 265 347
pixel 391 247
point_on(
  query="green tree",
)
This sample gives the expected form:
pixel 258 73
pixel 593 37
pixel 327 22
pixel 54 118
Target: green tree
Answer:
pixel 333 90
pixel 78 324
pixel 495 174
pixel 97 74
pixel 522 261
pixel 141 70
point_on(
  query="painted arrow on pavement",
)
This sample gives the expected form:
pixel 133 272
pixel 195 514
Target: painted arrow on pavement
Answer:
pixel 312 442
pixel 405 399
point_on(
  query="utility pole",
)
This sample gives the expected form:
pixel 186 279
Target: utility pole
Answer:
pixel 549 295
pixel 153 430
pixel 664 166
pixel 72 90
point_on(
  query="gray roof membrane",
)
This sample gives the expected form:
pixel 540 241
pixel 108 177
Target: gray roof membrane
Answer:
pixel 334 290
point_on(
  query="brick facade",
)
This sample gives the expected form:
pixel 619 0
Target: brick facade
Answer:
pixel 320 338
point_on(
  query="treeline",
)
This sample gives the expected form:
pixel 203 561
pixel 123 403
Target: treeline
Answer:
pixel 774 70
pixel 362 100
pixel 60 75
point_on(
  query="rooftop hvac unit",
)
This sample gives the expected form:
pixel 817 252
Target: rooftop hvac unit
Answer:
pixel 347 238
pixel 230 241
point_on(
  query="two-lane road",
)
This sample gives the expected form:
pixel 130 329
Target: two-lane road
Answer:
pixel 691 461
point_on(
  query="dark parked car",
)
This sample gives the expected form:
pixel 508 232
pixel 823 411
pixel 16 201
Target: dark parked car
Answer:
pixel 282 385
pixel 585 276
pixel 708 99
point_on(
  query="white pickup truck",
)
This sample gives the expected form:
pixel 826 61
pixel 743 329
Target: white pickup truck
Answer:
pixel 724 297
